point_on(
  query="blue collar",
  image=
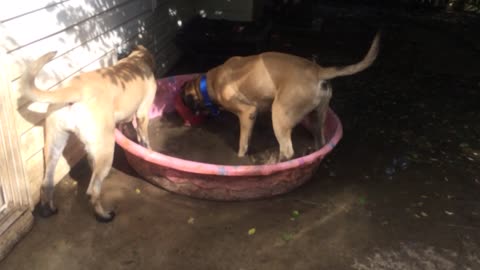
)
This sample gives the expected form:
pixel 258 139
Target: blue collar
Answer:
pixel 206 98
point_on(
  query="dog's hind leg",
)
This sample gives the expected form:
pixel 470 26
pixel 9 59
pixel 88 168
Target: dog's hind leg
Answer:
pixel 101 159
pixel 318 117
pixel 320 114
pixel 282 127
pixel 55 141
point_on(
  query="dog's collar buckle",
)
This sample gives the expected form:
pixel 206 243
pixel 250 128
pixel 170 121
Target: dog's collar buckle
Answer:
pixel 206 98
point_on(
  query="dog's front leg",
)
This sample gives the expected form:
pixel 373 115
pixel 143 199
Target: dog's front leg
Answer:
pixel 141 116
pixel 142 131
pixel 247 115
pixel 101 156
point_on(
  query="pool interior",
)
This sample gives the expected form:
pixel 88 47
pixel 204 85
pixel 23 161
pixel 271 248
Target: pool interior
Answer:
pixel 216 140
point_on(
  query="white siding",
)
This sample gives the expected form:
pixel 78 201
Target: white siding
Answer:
pixel 87 34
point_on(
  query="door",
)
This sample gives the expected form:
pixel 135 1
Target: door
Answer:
pixel 15 213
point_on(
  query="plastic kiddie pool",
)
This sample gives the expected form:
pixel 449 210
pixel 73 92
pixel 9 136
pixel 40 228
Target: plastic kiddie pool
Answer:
pixel 220 182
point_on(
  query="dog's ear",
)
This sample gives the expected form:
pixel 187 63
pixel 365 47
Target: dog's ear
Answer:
pixel 182 87
pixel 189 97
pixel 189 101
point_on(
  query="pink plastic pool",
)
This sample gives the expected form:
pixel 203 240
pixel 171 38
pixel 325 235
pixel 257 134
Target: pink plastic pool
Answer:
pixel 218 182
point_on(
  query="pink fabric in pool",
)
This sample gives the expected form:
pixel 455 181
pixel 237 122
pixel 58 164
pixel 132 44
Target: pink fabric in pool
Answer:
pixel 218 182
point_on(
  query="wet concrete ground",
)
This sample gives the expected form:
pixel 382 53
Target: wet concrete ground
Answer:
pixel 401 190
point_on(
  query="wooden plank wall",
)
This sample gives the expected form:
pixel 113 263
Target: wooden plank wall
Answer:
pixel 87 34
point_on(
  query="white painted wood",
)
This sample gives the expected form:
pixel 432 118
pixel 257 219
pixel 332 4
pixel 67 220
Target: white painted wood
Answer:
pixel 44 22
pixel 22 7
pixel 105 31
pixel 17 222
pixel 12 173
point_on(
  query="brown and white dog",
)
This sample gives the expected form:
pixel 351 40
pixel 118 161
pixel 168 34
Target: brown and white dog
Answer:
pixel 90 106
pixel 290 86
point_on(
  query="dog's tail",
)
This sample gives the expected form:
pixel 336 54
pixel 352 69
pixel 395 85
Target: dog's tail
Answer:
pixel 326 73
pixel 29 90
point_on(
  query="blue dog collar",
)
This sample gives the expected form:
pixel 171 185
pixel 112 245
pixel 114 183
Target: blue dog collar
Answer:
pixel 206 98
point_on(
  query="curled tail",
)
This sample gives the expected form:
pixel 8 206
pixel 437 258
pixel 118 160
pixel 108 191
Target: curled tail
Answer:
pixel 327 73
pixel 29 90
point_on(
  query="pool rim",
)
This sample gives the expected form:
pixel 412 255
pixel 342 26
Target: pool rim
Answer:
pixel 233 170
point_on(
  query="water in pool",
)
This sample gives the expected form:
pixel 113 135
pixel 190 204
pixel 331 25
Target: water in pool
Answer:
pixel 216 140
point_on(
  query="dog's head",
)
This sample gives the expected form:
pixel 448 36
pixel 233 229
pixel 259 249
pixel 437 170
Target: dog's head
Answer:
pixel 190 94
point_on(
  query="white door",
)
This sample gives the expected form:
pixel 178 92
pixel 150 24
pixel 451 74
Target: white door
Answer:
pixel 15 210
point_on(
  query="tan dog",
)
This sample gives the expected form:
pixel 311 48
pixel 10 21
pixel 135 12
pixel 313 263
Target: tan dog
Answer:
pixel 90 107
pixel 290 86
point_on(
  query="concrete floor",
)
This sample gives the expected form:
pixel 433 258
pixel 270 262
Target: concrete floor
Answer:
pixel 344 222
pixel 399 192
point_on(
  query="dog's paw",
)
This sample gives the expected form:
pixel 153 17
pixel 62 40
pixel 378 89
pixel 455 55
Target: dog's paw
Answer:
pixel 105 219
pixel 45 211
